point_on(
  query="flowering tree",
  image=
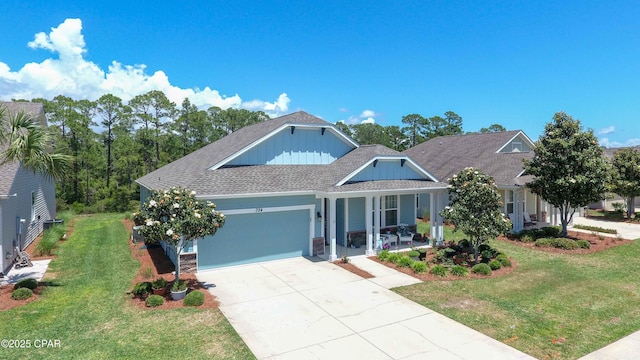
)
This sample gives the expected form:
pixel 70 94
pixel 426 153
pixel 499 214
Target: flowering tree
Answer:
pixel 177 218
pixel 475 207
pixel 568 167
pixel 625 179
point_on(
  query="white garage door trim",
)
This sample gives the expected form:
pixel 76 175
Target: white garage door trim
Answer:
pixel 311 208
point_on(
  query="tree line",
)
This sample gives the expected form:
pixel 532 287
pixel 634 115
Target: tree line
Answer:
pixel 110 142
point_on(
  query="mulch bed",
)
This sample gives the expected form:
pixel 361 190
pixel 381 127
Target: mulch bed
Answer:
pixel 153 257
pixel 354 269
pixel 598 243
pixel 429 277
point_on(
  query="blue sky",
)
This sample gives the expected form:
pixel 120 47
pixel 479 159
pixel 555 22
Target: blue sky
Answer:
pixel 515 63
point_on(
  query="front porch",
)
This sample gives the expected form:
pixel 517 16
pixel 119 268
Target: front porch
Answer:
pixel 362 224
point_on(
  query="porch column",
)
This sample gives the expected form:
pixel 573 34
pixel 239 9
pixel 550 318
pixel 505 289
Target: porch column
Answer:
pixel 322 219
pixel 442 202
pixel 376 218
pixel 332 229
pixel 432 215
pixel 367 221
pixel 517 212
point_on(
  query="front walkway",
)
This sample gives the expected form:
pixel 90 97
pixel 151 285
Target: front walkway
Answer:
pixel 36 271
pixel 303 308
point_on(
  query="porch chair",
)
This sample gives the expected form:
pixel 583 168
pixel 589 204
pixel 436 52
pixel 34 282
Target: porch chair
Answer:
pixel 404 235
pixel 527 220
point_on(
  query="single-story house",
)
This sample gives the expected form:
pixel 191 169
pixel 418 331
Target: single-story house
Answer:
pixel 286 181
pixel 27 199
pixel 497 154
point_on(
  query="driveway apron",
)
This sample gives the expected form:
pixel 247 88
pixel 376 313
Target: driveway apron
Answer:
pixel 304 309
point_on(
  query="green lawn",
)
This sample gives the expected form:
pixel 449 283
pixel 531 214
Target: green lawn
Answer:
pixel 589 300
pixel 86 308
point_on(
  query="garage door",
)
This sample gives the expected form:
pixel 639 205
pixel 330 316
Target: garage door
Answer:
pixel 253 237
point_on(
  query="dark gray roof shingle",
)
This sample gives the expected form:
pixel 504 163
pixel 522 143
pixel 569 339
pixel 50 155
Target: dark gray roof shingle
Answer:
pixel 192 171
pixel 444 156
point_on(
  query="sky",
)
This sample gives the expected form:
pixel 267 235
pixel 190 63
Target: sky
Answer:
pixel 513 63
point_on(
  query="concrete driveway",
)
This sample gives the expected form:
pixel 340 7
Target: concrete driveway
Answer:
pixel 301 309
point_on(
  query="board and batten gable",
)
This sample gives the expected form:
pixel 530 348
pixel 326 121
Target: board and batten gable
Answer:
pixel 520 143
pixel 295 146
pixel 386 169
pixel 24 184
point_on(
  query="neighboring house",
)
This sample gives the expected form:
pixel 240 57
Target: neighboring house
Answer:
pixel 285 181
pixel 498 154
pixel 27 199
pixel 610 198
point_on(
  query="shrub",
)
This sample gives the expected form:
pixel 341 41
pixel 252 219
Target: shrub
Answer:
pixel 567 244
pixel 459 270
pixel 405 261
pixel 464 243
pixel 527 238
pixel 142 289
pixel 26 283
pixel 486 256
pixel 49 240
pixel 504 260
pixel 194 298
pixel 383 255
pixel 413 253
pixel 561 243
pixel 544 242
pixel 154 300
pixel 551 231
pixel 619 207
pixel 21 293
pixel 495 264
pixel 482 269
pixel 419 267
pixel 583 244
pixel 159 283
pixel 438 270
pixel 394 257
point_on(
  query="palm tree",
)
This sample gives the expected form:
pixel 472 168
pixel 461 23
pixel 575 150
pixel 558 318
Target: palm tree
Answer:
pixel 23 139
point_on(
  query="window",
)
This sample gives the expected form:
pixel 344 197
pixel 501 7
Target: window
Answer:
pixel 391 210
pixel 33 206
pixel 516 146
pixel 509 201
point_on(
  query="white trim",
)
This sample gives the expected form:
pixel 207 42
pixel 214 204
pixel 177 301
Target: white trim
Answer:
pixel 252 195
pixel 361 193
pixel 329 126
pixel 346 221
pixel 408 160
pixel 526 138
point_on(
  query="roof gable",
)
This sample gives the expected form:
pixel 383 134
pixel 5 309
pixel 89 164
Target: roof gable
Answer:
pixel 519 143
pixel 447 155
pixel 294 144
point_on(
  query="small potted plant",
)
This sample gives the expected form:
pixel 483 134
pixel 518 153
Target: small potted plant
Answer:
pixel 159 286
pixel 178 290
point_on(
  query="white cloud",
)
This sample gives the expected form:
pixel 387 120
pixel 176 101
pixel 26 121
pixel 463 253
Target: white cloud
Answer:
pixel 607 130
pixel 70 74
pixel 365 117
pixel 615 144
pixel 368 114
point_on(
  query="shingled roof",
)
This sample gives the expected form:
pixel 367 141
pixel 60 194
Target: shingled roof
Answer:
pixel 8 171
pixel 202 171
pixel 444 156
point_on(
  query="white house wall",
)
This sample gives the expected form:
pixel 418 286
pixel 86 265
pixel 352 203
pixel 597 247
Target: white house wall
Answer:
pixel 305 146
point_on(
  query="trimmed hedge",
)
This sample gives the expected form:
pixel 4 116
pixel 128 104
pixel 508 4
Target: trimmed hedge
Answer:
pixel 21 293
pixel 482 269
pixel 495 264
pixel 154 300
pixel 560 243
pixel 26 283
pixel 194 298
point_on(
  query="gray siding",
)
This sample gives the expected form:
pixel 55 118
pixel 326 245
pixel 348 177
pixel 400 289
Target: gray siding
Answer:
pixel 24 183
